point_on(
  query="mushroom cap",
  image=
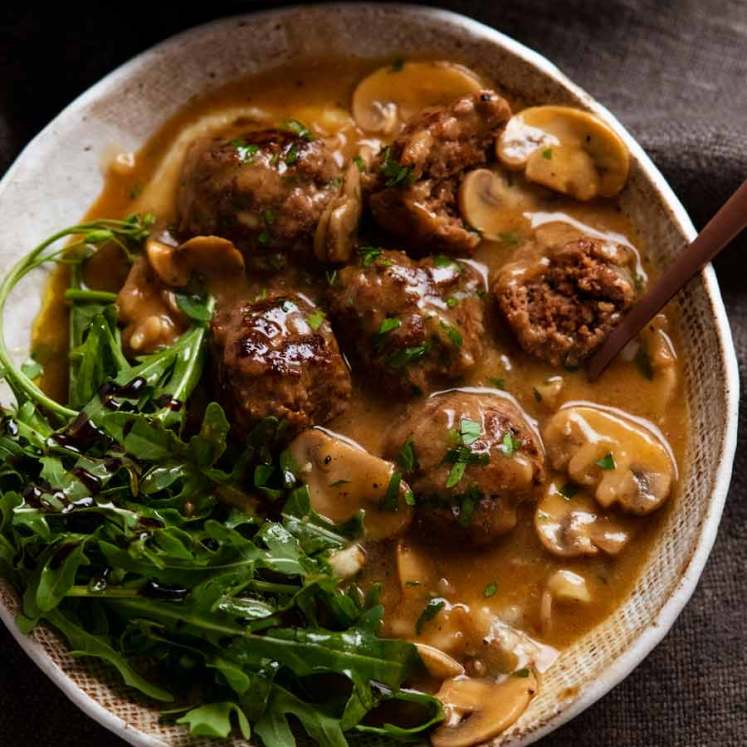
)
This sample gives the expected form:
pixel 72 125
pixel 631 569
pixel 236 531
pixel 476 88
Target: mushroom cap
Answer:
pixel 211 256
pixel 343 478
pixel 389 96
pixel 573 527
pixel 624 460
pixel 479 709
pixel 489 203
pixel 565 149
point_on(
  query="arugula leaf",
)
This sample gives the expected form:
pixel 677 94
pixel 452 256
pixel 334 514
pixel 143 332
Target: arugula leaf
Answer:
pixel 214 720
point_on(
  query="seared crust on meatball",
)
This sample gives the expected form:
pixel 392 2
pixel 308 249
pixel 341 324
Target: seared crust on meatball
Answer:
pixel 278 357
pixel 470 458
pixel 414 196
pixel 561 303
pixel 410 325
pixel 265 190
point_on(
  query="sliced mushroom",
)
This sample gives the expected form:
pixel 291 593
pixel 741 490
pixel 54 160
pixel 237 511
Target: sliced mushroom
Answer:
pixel 348 562
pixel 479 709
pixel 571 525
pixel 489 202
pixel 625 460
pixel 562 586
pixel 440 666
pixel 210 256
pixel 338 225
pixel 565 149
pixel 391 95
pixel 344 478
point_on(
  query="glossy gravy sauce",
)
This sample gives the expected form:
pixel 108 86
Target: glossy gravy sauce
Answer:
pixel 507 577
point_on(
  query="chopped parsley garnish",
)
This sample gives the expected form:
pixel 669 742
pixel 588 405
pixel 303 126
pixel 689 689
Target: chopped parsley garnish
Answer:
pixel 244 150
pixel 456 473
pixel 470 431
pixel 360 163
pixel 396 174
pixel 264 238
pixel 291 155
pixel 510 445
pixel 331 276
pixel 521 672
pixel 568 490
pixel 453 334
pixel 490 590
pixel 497 382
pixel 441 260
pixel 298 128
pixel 409 497
pixel 388 324
pixel 509 238
pixel 642 361
pixel 406 458
pixel 607 462
pixel 268 216
pixel 547 154
pixel 466 509
pixel 315 319
pixel 452 301
pixel 369 254
pixel 460 457
pixel 433 607
pixel 390 502
pixel 408 355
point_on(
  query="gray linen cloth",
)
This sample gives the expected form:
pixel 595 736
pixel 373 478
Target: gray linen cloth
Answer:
pixel 676 75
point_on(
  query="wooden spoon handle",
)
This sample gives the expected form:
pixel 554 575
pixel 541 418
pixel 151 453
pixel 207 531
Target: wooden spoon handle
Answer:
pixel 719 231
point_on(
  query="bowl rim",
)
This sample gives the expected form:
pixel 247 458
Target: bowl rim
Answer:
pixel 671 608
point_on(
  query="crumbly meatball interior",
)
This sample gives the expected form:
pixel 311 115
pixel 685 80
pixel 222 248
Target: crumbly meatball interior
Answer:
pixel 563 301
pixel 415 194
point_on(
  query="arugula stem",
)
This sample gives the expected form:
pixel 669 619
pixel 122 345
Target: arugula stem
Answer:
pixel 79 294
pixel 108 593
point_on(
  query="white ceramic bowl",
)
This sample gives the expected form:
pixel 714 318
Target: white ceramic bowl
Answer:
pixel 59 174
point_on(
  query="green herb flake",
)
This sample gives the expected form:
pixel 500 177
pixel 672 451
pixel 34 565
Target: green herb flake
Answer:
pixel 509 238
pixel 521 672
pixel 490 590
pixel 453 334
pixel 452 301
pixel 441 261
pixel 369 254
pixel 268 216
pixel 331 276
pixel 316 319
pixel 388 325
pixel 298 128
pixel 406 457
pixel 568 490
pixel 497 382
pixel 360 163
pixel 607 462
pixel 409 497
pixel 264 238
pixel 395 174
pixel 432 608
pixel 456 473
pixel 291 155
pixel 510 445
pixel 244 150
pixel 391 502
pixel 470 431
pixel 406 356
pixel 547 154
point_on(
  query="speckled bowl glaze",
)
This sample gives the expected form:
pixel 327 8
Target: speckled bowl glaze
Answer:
pixel 59 174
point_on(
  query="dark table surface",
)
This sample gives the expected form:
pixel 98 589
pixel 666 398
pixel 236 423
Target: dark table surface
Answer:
pixel 676 74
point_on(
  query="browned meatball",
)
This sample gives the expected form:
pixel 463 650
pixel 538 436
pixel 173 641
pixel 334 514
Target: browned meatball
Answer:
pixel 470 457
pixel 415 195
pixel 409 324
pixel 562 301
pixel 278 357
pixel 265 190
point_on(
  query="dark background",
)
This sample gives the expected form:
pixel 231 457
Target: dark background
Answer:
pixel 676 75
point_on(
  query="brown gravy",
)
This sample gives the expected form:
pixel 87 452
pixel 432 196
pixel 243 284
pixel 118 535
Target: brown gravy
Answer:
pixel 517 565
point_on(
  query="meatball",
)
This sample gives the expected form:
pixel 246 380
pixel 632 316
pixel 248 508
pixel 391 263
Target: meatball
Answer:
pixel 415 192
pixel 278 357
pixel 561 302
pixel 409 324
pixel 266 191
pixel 470 457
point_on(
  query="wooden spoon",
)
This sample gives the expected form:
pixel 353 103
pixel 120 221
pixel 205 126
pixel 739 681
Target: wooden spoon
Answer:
pixel 729 221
